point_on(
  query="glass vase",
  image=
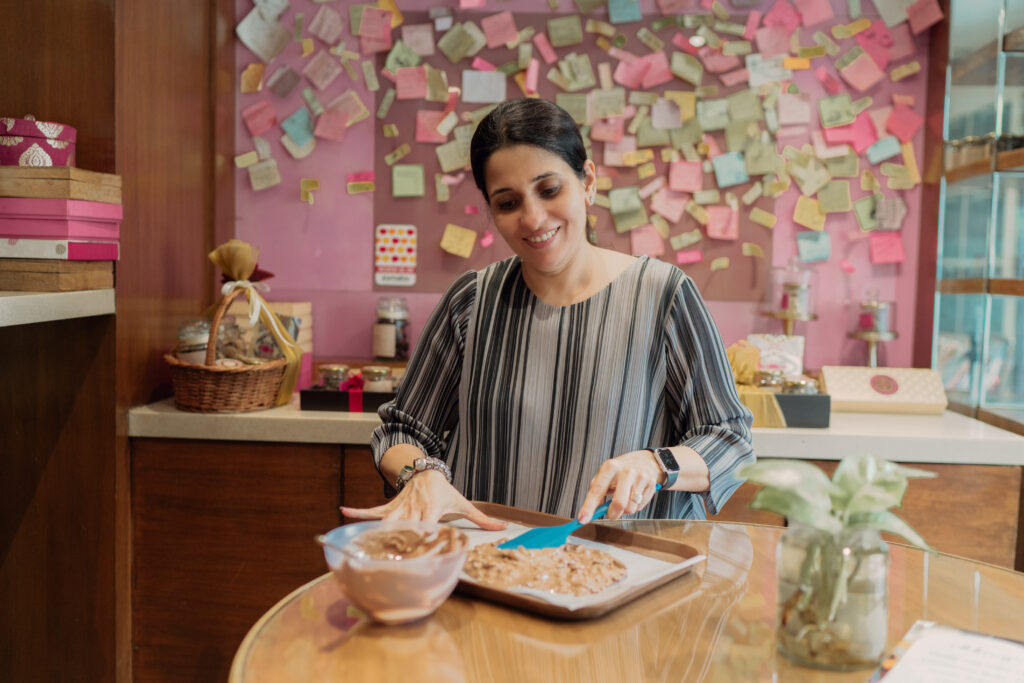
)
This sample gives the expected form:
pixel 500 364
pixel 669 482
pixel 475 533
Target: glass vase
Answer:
pixel 833 601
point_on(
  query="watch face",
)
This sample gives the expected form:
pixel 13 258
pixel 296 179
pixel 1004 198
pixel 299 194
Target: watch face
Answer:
pixel 668 459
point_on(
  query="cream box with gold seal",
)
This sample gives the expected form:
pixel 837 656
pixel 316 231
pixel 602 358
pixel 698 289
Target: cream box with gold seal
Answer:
pixel 884 390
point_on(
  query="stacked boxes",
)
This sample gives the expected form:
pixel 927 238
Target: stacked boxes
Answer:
pixel 59 228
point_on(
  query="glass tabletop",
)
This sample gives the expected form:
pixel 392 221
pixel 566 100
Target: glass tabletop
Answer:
pixel 714 624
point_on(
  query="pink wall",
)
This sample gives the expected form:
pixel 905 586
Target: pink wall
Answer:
pixel 323 252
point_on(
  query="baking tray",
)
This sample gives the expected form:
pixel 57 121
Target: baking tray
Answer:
pixel 644 544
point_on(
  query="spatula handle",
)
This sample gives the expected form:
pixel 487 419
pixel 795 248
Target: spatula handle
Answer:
pixel 603 509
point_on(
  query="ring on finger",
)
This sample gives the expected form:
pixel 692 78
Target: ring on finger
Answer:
pixel 637 498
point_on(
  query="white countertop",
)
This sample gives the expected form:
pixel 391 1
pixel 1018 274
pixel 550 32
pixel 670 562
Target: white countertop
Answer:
pixel 946 438
pixel 23 308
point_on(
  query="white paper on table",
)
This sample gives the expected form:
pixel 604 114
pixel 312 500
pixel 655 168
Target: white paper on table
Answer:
pixel 640 569
pixel 948 655
pixel 483 86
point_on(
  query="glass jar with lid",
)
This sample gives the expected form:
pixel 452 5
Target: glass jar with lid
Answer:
pixel 391 330
pixel 333 375
pixel 377 378
pixel 193 338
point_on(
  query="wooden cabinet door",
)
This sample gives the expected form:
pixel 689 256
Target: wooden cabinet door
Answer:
pixel 221 531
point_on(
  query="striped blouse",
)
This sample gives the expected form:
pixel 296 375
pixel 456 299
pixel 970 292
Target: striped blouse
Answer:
pixel 525 400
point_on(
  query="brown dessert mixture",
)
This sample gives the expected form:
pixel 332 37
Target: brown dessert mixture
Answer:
pixel 403 544
pixel 573 569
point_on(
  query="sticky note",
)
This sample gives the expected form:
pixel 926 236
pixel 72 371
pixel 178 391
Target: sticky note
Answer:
pixel 358 188
pixel 865 211
pixel 457 240
pixel 264 174
pixel 411 83
pixel 730 169
pixel 886 247
pixel 419 38
pixel 668 204
pixel 564 31
pixel 627 208
pixel 836 110
pixel 331 125
pixel 860 71
pixel 885 148
pixel 500 29
pixel 720 263
pixel 686 176
pixel 263 34
pixel 808 213
pixel 298 151
pixel 306 187
pixel 321 70
pixel 645 241
pixel 252 78
pixel 427 121
pixel 283 81
pixel 834 197
pixel 903 122
pixel 692 256
pixel 813 246
pixel 246 160
pixel 391 157
pixel 762 217
pixel 350 103
pixel 720 223
pixel 846 166
pixel 751 249
pixel 259 117
pixel 483 86
pixel 408 180
pixel 624 11
pixel 923 14
pixel 890 212
pixel 299 126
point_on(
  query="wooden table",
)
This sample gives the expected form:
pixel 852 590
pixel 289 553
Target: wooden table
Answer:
pixel 716 624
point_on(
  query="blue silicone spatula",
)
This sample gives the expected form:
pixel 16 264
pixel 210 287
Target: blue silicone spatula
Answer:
pixel 553 536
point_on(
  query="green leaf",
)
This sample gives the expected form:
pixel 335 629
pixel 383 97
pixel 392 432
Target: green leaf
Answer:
pixel 868 484
pixel 786 475
pixel 887 521
pixel 810 509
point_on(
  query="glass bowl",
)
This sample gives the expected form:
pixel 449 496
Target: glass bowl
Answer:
pixel 395 590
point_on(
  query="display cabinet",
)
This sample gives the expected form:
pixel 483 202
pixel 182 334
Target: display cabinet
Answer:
pixel 979 298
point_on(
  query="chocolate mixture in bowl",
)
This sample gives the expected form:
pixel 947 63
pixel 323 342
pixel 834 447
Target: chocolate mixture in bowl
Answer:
pixel 404 544
pixel 571 568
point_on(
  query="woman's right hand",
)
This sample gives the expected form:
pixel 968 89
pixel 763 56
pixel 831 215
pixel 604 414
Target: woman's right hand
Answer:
pixel 427 497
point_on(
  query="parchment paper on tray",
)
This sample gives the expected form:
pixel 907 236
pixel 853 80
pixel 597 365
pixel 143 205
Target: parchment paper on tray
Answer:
pixel 641 570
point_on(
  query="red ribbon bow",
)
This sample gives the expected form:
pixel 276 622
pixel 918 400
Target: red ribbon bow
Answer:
pixel 354 386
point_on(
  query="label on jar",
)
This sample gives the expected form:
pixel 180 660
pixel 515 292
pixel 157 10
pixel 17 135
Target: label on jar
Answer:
pixel 384 337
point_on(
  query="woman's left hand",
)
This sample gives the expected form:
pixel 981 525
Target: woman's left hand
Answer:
pixel 630 480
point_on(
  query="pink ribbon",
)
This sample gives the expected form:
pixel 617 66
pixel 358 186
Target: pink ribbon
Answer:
pixel 354 386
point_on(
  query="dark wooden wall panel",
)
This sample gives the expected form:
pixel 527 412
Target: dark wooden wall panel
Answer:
pixel 167 108
pixel 57 501
pixel 931 173
pixel 967 510
pixel 222 531
pixel 58 59
pixel 57 485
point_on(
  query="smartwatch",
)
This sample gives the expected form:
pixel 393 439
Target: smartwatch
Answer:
pixel 668 465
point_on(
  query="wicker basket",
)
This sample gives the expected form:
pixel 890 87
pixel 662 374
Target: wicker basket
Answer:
pixel 212 389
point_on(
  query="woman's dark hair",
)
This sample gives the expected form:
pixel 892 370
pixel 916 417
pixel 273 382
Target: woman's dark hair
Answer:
pixel 526 121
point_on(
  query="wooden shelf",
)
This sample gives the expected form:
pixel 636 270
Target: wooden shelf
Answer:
pixel 1011 159
pixel 24 308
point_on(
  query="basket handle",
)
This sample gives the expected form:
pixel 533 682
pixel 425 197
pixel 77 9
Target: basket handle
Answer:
pixel 211 344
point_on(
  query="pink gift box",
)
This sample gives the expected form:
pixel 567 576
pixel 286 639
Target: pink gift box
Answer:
pixel 27 142
pixel 59 219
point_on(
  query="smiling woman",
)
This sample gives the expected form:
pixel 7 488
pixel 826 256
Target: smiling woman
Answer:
pixel 566 373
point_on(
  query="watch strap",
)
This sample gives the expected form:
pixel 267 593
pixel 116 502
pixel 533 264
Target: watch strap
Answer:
pixel 668 463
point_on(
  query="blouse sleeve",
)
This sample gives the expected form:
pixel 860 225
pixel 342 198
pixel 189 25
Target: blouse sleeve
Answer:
pixel 426 405
pixel 702 396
